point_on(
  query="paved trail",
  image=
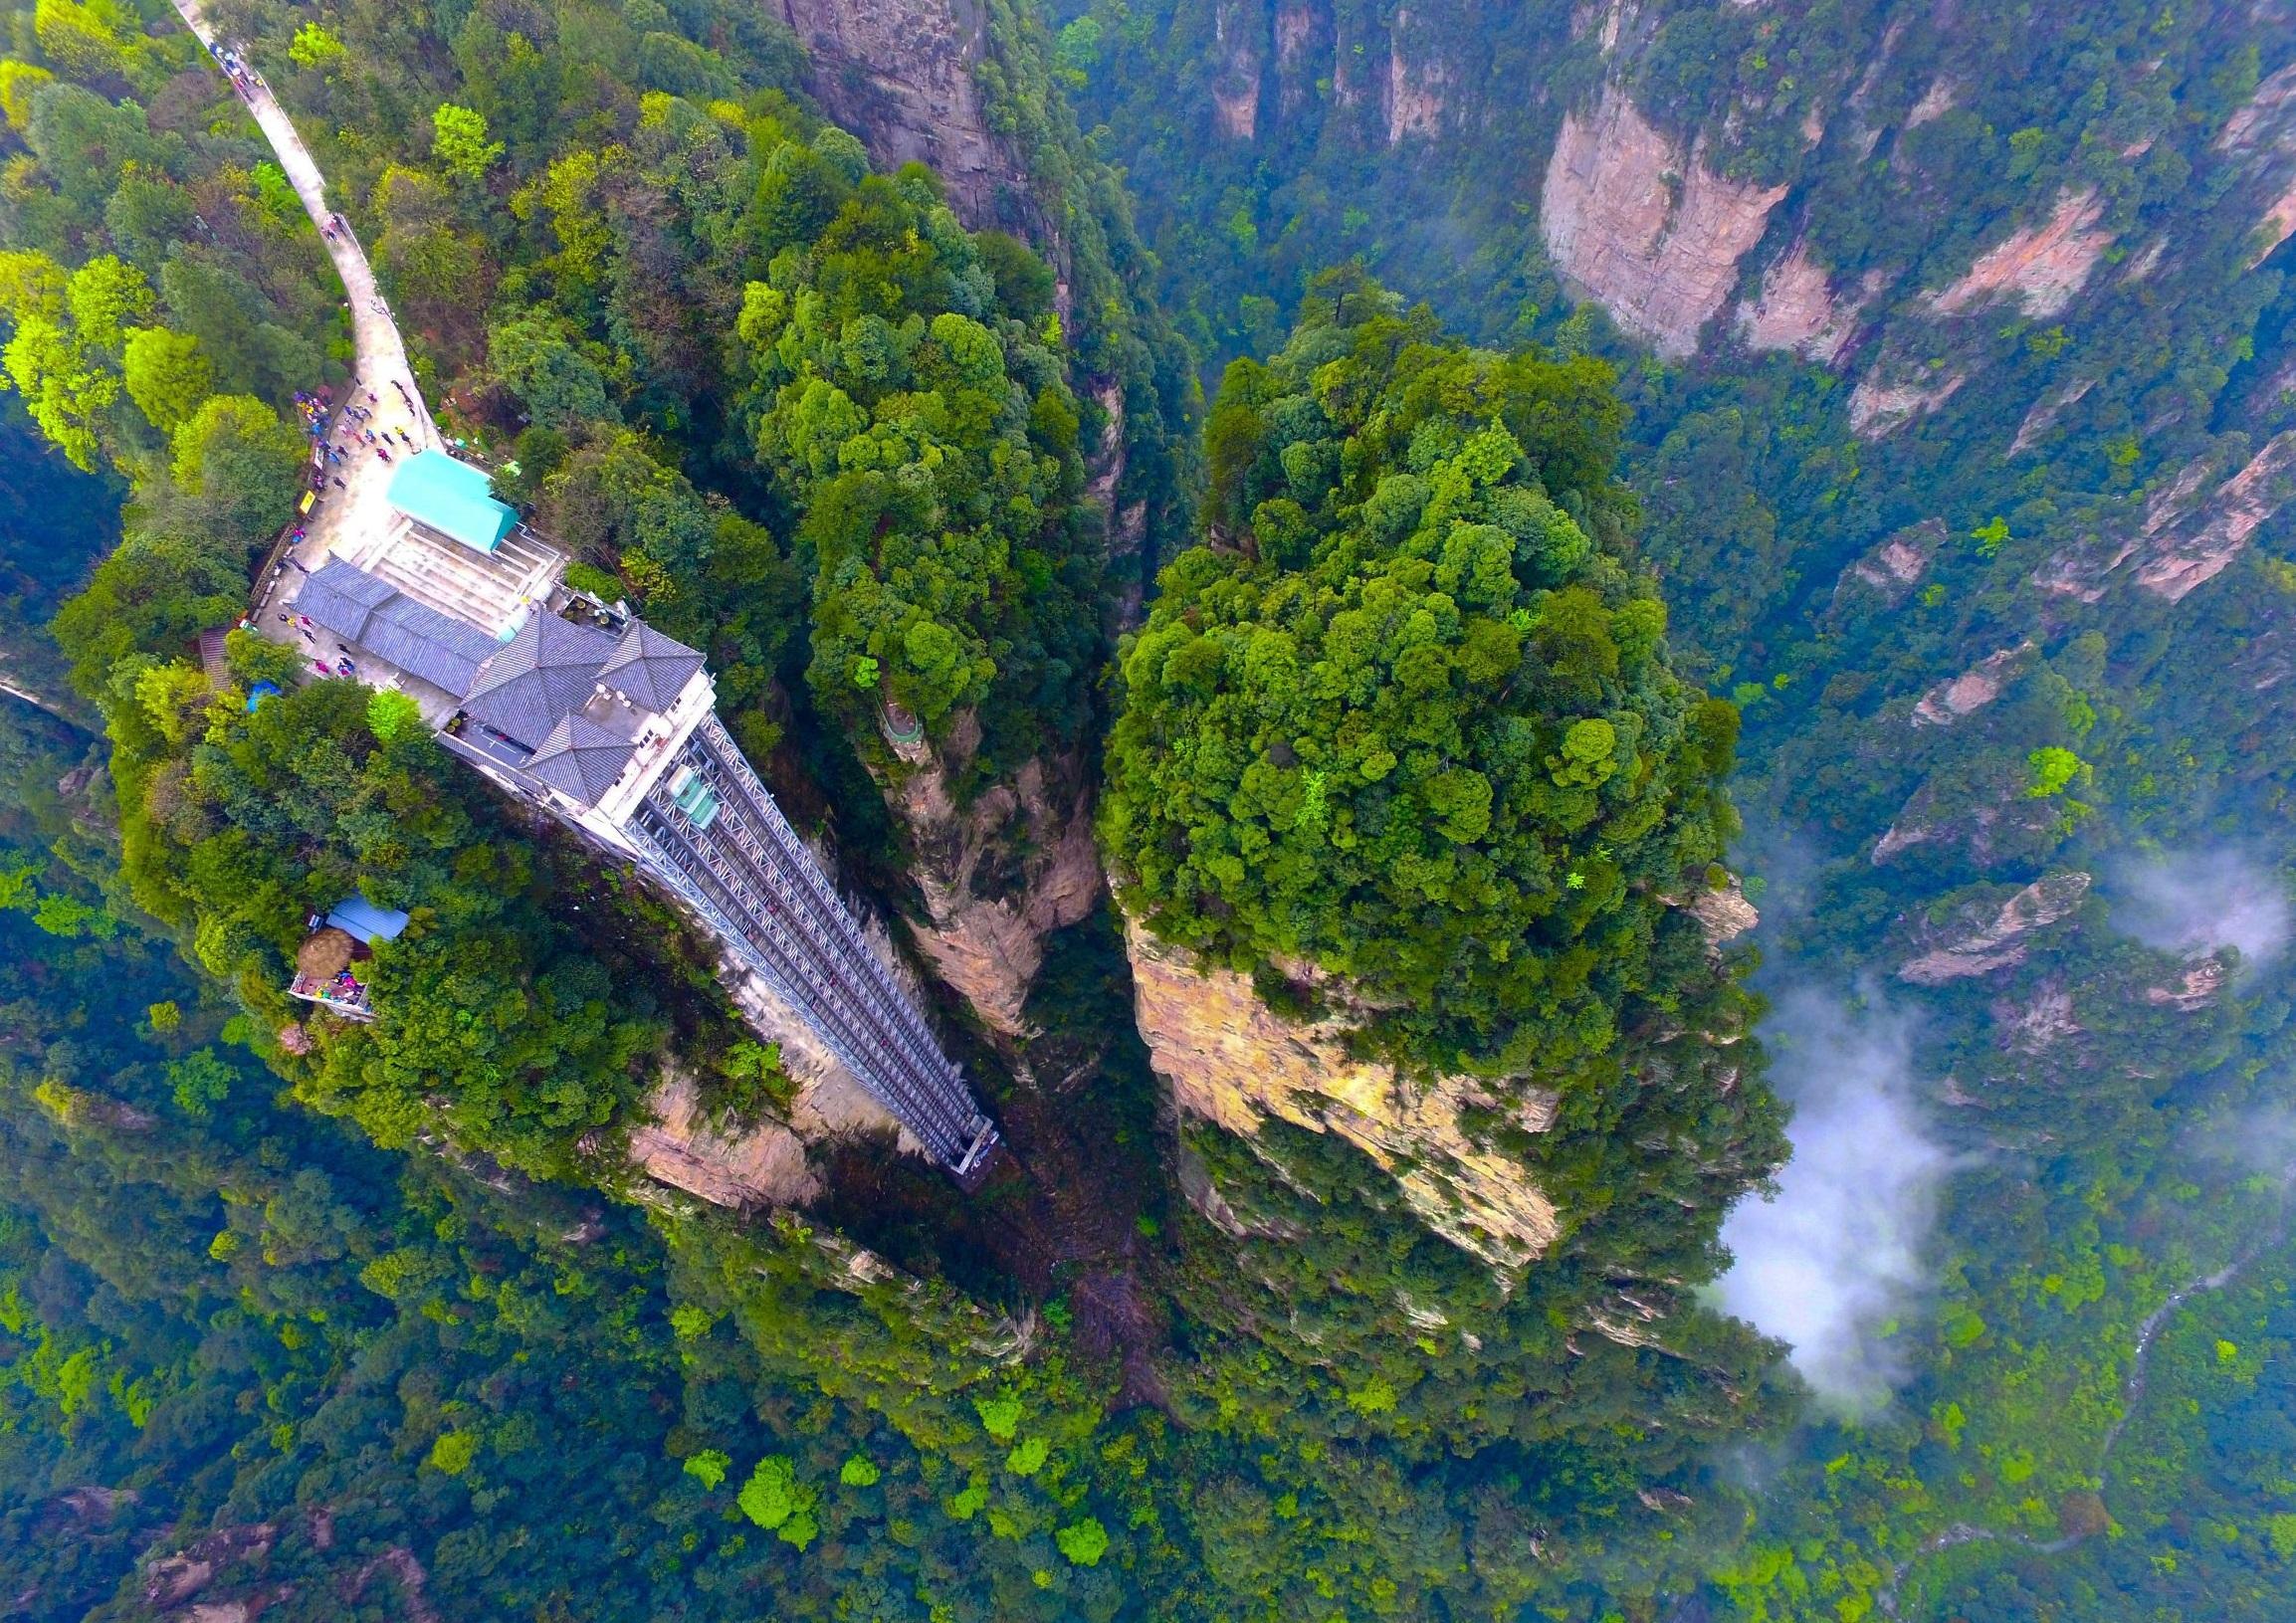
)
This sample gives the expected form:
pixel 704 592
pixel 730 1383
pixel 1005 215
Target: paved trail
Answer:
pixel 359 509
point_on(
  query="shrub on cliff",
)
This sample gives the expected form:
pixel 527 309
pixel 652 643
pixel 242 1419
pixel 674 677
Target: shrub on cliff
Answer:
pixel 1408 719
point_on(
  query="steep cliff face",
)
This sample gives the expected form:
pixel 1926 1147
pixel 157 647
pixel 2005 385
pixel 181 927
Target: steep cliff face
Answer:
pixel 1236 88
pixel 1228 1060
pixel 2041 266
pixel 2002 942
pixel 2191 532
pixel 997 875
pixel 768 1163
pixel 1415 87
pixel 899 73
pixel 1640 223
pixel 1797 309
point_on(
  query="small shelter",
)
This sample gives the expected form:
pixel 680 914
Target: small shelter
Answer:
pixel 323 964
pixel 364 922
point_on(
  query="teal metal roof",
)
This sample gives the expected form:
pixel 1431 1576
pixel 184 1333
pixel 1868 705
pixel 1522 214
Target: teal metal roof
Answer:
pixel 452 498
pixel 358 916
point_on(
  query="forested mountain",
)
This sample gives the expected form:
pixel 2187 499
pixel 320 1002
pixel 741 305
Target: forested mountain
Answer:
pixel 1316 567
pixel 1956 351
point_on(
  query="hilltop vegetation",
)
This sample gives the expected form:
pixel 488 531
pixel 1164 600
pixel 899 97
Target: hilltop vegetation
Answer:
pixel 1406 720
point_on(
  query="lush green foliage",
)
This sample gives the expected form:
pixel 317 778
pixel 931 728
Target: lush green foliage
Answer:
pixel 1409 724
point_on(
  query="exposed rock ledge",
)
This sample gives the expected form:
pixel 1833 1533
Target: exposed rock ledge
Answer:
pixel 899 73
pixel 2186 538
pixel 1231 1060
pixel 990 948
pixel 1973 690
pixel 2041 266
pixel 1796 309
pixel 1646 227
pixel 1878 404
pixel 766 1165
pixel 2001 943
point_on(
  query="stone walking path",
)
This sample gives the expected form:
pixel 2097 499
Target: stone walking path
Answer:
pixel 354 517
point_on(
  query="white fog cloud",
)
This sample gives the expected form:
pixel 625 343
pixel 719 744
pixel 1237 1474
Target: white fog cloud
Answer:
pixel 2204 902
pixel 1838 1253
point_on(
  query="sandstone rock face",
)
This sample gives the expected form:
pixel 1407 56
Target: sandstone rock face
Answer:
pixel 1724 914
pixel 2265 118
pixel 1236 88
pixel 2264 132
pixel 768 1164
pixel 764 1167
pixel 1879 405
pixel 2196 990
pixel 2000 942
pixel 1415 89
pixel 2187 538
pixel 2041 266
pixel 1973 690
pixel 1301 34
pixel 1936 103
pixel 1797 310
pixel 991 947
pixel 2047 410
pixel 2041 1024
pixel 1646 227
pixel 899 73
pixel 2196 548
pixel 1890 569
pixel 1228 1060
pixel 2277 226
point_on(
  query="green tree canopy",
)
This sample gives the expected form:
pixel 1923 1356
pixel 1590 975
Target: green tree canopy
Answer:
pixel 1411 723
pixel 167 375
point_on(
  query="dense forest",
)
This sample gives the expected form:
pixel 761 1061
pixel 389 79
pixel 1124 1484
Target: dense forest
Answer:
pixel 1235 459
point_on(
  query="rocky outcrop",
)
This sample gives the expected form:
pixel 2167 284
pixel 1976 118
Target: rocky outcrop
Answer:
pixel 2040 267
pixel 1646 227
pixel 1236 82
pixel 2198 547
pixel 1796 309
pixel 1936 103
pixel 997 876
pixel 1302 36
pixel 2040 1025
pixel 1973 690
pixel 1229 1060
pixel 1879 405
pixel 2266 120
pixel 1889 571
pixel 2196 990
pixel 2000 943
pixel 171 1580
pixel 2277 226
pixel 2263 133
pixel 2046 411
pixel 767 1163
pixel 1723 914
pixel 899 75
pixel 2187 538
pixel 1414 93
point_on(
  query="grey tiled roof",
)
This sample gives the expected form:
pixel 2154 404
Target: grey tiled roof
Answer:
pixel 373 615
pixel 538 678
pixel 651 667
pixel 580 758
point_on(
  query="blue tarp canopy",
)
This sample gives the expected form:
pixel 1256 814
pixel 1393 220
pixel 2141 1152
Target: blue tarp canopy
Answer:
pixel 355 916
pixel 452 498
